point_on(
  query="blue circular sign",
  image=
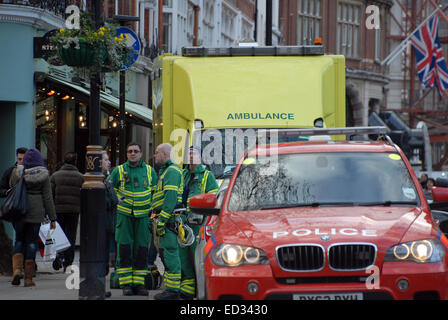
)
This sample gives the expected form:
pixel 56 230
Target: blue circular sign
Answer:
pixel 133 41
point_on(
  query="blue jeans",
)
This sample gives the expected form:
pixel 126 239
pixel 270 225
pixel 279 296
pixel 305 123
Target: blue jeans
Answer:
pixel 26 239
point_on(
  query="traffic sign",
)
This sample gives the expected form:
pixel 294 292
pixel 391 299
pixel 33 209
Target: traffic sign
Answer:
pixel 133 41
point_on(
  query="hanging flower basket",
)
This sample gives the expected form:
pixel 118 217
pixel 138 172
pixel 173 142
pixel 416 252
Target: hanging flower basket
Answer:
pixel 84 56
pixel 94 50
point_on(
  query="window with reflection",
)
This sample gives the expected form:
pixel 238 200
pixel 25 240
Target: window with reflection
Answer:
pixel 319 179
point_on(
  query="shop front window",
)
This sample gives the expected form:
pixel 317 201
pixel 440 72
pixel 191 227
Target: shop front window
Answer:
pixel 46 139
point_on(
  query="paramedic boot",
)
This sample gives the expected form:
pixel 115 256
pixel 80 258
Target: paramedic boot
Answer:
pixel 17 263
pixel 140 291
pixel 127 291
pixel 167 295
pixel 29 272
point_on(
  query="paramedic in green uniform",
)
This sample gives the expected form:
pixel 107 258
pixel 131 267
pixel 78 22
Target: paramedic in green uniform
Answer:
pixel 197 180
pixel 167 197
pixel 134 182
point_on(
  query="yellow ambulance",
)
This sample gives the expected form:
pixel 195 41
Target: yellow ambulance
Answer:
pixel 211 95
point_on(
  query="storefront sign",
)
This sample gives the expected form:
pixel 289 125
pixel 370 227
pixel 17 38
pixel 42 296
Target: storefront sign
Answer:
pixel 43 48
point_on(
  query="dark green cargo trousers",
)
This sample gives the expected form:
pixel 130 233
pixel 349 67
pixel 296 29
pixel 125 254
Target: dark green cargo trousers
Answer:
pixel 132 236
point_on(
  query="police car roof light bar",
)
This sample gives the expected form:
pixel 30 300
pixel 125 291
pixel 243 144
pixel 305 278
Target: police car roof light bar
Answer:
pixel 348 131
pixel 309 50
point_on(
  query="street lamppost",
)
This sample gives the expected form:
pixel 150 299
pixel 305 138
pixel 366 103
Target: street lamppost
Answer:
pixel 92 232
pixel 123 21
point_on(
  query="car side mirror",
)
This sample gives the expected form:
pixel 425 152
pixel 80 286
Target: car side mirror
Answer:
pixel 204 204
pixel 439 194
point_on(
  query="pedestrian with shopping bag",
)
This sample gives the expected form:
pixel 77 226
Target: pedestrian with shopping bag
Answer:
pixel 40 204
pixel 66 186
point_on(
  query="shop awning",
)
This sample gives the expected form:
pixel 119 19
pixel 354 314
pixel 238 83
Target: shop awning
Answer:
pixel 140 111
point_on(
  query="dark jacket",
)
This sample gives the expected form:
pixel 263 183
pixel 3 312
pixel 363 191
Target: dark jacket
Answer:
pixel 40 200
pixel 111 207
pixel 66 185
pixel 4 183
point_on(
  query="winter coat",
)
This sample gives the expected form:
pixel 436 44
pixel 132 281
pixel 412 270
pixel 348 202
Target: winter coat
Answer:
pixel 111 207
pixel 39 197
pixel 4 183
pixel 66 186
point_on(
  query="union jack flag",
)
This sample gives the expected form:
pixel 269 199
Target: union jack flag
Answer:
pixel 431 65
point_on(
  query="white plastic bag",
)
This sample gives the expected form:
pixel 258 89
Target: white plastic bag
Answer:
pixel 60 240
pixel 50 248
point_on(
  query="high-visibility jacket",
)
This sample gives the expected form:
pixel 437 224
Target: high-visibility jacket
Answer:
pixel 168 193
pixel 136 184
pixel 199 181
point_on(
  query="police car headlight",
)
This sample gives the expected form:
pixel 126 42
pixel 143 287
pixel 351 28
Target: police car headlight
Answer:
pixel 430 250
pixel 232 255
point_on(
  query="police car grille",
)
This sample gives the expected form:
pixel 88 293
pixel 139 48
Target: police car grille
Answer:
pixel 351 256
pixel 301 257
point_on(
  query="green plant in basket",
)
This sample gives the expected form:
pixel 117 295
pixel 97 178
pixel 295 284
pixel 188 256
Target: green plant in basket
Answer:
pixel 98 50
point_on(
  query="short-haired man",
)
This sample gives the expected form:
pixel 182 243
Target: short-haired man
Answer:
pixel 167 197
pixel 66 186
pixel 134 182
pixel 4 183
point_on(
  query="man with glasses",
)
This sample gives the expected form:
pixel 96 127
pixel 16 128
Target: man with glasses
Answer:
pixel 134 182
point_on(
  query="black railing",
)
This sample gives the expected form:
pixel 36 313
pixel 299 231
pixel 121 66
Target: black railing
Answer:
pixel 55 6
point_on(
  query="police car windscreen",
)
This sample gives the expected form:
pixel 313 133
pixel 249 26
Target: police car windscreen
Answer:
pixel 320 179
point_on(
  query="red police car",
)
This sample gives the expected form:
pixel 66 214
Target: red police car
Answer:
pixel 323 220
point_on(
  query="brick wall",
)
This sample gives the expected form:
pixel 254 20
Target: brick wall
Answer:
pixel 247 8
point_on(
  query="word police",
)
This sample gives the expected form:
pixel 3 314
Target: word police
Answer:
pixel 332 231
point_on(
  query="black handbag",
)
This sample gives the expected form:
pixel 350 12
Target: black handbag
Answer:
pixel 15 205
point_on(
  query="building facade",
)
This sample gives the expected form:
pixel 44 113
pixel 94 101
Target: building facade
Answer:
pixel 215 23
pixel 341 24
pixel 47 106
pixel 406 95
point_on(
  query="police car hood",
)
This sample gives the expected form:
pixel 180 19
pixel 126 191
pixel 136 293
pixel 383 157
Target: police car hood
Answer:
pixel 383 226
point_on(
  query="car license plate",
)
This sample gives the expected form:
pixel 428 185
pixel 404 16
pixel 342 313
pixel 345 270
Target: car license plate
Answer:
pixel 328 296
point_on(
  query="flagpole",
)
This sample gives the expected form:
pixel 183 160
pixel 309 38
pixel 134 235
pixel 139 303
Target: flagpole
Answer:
pixel 403 45
pixel 442 14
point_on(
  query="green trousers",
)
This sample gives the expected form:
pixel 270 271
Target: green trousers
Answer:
pixel 169 253
pixel 186 254
pixel 132 236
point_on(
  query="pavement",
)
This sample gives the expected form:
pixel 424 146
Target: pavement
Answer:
pixel 51 285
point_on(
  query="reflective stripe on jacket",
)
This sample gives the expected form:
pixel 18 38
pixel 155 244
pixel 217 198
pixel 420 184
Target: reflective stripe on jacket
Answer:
pixel 136 185
pixel 206 182
pixel 169 190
